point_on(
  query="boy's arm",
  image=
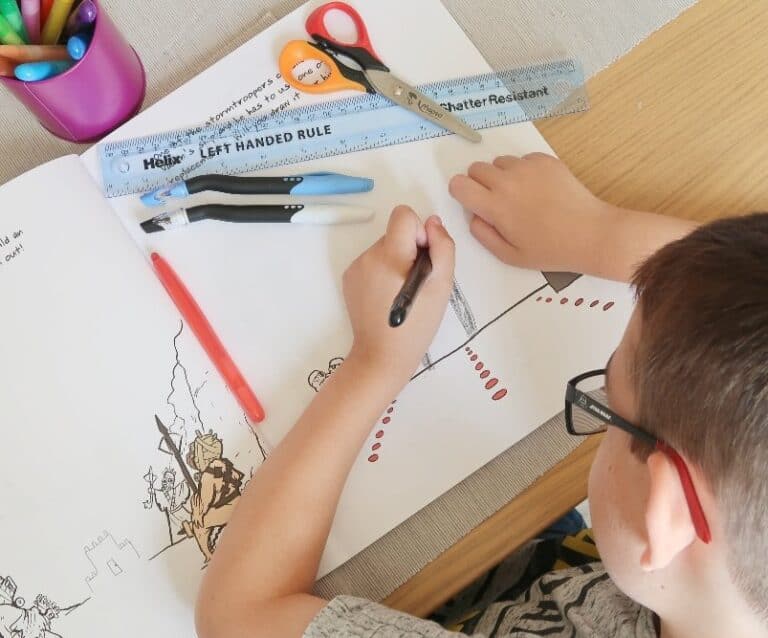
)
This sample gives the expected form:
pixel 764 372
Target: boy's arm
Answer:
pixel 259 581
pixel 532 212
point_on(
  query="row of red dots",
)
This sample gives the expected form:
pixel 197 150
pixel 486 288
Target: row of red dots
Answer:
pixel 491 383
pixel 578 302
pixel 479 366
pixel 386 419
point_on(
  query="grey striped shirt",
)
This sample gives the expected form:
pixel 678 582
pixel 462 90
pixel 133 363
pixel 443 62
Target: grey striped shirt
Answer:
pixel 581 601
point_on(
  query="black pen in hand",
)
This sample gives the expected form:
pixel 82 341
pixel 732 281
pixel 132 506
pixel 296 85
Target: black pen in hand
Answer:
pixel 416 277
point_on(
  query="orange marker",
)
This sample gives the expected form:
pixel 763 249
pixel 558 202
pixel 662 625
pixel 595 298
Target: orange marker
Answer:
pixel 33 53
pixel 6 68
pixel 196 320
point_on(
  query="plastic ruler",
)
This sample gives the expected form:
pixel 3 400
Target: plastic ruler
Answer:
pixel 344 126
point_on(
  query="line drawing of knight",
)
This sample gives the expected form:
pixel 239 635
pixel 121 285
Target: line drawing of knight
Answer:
pixel 219 486
pixel 171 498
pixel 198 504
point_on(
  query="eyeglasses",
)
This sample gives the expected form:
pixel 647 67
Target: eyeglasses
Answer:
pixel 586 413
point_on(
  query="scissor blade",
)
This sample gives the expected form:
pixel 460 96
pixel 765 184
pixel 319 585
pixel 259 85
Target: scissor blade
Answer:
pixel 403 94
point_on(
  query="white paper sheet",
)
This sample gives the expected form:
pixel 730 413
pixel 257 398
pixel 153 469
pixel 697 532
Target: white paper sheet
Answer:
pixel 94 503
pixel 274 292
pixel 92 351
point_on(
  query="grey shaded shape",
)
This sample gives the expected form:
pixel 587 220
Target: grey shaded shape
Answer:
pixel 463 310
pixel 559 281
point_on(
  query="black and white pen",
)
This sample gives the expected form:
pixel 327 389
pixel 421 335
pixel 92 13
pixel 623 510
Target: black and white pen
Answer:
pixel 319 214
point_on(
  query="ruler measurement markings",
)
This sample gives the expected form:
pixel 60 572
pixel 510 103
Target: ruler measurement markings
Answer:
pixel 141 164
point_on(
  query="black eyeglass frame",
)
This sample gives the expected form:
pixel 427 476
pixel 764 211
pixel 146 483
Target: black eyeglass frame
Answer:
pixel 574 396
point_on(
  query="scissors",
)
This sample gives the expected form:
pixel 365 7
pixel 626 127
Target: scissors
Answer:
pixel 374 76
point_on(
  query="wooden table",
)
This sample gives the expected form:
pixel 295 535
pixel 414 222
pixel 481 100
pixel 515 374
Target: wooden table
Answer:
pixel 679 126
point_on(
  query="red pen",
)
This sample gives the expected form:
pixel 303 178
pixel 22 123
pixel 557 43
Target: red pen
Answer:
pixel 194 316
pixel 45 9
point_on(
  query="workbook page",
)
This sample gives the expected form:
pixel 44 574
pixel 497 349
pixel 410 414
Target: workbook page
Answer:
pixel 509 341
pixel 113 425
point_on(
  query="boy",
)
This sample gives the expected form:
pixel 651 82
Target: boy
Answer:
pixel 679 519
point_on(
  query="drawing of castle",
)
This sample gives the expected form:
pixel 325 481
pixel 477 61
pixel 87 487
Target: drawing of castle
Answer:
pixel 108 558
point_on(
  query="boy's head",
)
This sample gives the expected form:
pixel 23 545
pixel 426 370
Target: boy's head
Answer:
pixel 692 369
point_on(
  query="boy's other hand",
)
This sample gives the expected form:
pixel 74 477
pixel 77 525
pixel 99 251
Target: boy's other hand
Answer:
pixel 530 211
pixel 374 279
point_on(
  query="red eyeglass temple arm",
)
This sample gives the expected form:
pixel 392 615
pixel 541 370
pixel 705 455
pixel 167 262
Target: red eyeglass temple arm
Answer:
pixel 694 505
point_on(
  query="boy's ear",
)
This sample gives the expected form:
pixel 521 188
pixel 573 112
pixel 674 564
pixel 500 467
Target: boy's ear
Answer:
pixel 668 525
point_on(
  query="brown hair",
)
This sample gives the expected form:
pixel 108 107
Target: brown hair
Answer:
pixel 702 375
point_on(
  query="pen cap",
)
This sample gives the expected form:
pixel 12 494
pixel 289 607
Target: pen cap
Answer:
pixel 100 92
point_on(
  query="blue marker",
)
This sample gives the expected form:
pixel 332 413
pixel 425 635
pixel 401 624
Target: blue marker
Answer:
pixel 78 44
pixel 36 71
pixel 307 184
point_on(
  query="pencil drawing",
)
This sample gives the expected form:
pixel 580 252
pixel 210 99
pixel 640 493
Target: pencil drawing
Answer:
pixel 317 378
pixel 192 483
pixel 17 620
pixel 108 558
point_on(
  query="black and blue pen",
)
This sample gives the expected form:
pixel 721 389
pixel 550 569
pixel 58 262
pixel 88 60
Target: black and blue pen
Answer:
pixel 306 184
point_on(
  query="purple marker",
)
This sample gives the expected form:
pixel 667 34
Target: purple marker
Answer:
pixel 30 11
pixel 84 16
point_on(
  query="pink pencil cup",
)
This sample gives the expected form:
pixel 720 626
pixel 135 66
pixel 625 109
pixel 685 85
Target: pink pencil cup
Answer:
pixel 101 91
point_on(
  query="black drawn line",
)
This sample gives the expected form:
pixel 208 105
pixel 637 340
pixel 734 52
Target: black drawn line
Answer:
pixel 166 548
pixel 169 527
pixel 68 610
pixel 258 440
pixel 198 388
pixel 178 364
pixel 490 323
pixel 166 435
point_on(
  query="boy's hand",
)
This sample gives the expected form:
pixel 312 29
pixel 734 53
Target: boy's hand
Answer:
pixel 531 212
pixel 374 279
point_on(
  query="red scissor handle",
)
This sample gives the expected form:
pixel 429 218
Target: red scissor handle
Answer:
pixel 361 50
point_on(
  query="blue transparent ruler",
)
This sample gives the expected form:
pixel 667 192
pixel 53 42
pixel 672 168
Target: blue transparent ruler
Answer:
pixel 344 126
